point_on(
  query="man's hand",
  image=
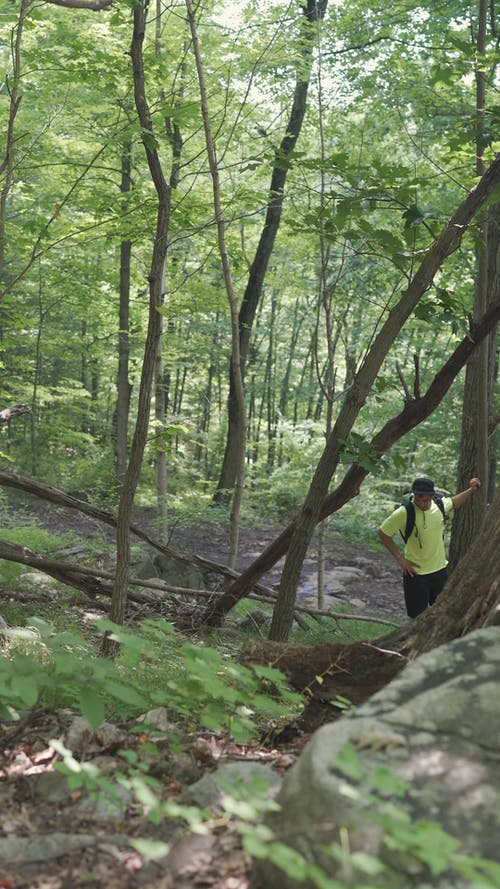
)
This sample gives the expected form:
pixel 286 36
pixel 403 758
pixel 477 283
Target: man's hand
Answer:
pixel 461 498
pixel 407 566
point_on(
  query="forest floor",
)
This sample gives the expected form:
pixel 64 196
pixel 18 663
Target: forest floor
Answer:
pixel 54 839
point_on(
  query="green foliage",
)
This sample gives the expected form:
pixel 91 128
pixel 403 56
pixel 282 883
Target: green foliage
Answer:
pixel 200 685
pixel 331 629
pixel 42 667
pixel 391 133
pixel 34 537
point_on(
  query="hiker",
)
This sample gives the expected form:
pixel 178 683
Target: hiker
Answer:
pixel 420 523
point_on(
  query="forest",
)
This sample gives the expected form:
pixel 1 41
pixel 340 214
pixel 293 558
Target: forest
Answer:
pixel 249 290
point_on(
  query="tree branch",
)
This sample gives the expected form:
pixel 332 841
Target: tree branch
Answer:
pixel 93 5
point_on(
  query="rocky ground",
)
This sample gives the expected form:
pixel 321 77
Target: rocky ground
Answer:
pixel 55 838
pixel 355 574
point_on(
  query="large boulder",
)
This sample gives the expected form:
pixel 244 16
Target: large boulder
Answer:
pixel 401 776
pixel 178 571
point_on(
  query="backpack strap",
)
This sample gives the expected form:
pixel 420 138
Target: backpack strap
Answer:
pixel 410 520
pixel 410 515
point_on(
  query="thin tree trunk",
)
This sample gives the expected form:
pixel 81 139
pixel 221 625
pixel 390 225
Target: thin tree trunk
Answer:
pixel 123 385
pixel 272 420
pixel 201 449
pixel 237 376
pixel 161 455
pixel 312 12
pixel 37 381
pixel 156 273
pixel 7 164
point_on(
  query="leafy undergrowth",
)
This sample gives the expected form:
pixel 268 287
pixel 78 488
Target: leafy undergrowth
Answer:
pixel 97 754
pixel 94 807
pixel 112 820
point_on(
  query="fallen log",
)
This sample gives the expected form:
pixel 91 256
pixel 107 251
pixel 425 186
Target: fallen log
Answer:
pixel 10 413
pixel 74 576
pixel 92 582
pixel 61 498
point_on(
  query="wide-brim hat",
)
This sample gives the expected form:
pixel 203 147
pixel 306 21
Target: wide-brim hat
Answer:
pixel 423 486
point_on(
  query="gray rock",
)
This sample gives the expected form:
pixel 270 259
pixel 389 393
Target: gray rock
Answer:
pixel 177 571
pixel 157 718
pixel 424 749
pixel 52 787
pixel 82 739
pixel 3 630
pixel 32 848
pixel 231 778
pixel 37 578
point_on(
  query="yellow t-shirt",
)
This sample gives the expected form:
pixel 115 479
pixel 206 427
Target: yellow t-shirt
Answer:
pixel 425 546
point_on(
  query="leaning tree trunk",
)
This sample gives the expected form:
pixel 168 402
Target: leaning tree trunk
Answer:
pixel 470 600
pixel 353 402
pixel 414 412
pixel 303 528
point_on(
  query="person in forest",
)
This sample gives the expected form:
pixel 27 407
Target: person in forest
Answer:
pixel 420 523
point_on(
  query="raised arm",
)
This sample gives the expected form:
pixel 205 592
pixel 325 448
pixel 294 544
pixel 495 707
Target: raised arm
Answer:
pixel 459 499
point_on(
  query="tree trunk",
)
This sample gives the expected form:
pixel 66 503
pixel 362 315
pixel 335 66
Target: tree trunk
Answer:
pixel 119 597
pixel 160 383
pixel 474 446
pixel 236 364
pixel 123 386
pixel 7 163
pixel 493 366
pixel 313 12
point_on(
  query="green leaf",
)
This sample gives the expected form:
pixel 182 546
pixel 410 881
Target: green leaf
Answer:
pixel 150 140
pixel 152 850
pixel 26 688
pixel 125 693
pixel 92 706
pixel 413 216
pixel 288 860
pixel 385 781
pixel 367 863
pixel 349 763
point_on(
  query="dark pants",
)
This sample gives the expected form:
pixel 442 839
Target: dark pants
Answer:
pixel 422 590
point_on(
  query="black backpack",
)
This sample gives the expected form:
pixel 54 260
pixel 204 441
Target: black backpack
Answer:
pixel 410 514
